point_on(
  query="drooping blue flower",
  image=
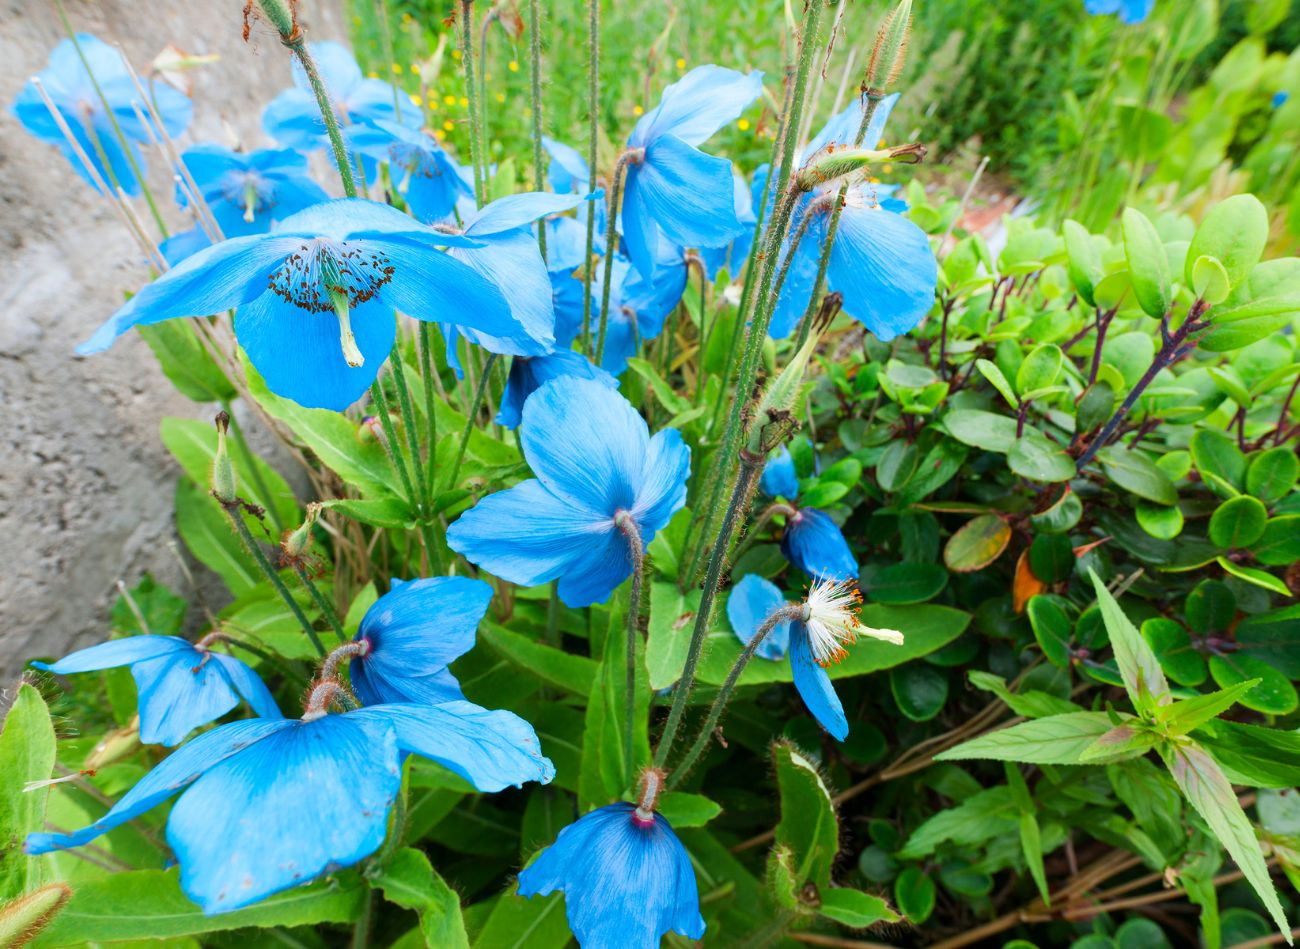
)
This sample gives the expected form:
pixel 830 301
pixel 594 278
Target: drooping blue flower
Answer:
pixel 412 634
pixel 815 544
pixel 638 304
pixel 70 86
pixel 267 805
pixel 293 118
pixel 733 255
pixel 427 175
pixel 626 880
pixel 316 296
pixel 180 685
pixel 184 244
pixel 1130 11
pixel 530 373
pixel 671 186
pixel 779 479
pixel 249 192
pixel 753 599
pixel 880 263
pixel 596 464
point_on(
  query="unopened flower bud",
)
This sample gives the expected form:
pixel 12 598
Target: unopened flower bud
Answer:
pixel 889 54
pixel 114 746
pixel 297 542
pixel 23 918
pixel 223 472
pixel 833 164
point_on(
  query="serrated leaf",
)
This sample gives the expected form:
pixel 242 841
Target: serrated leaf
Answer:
pixel 808 824
pixel 854 908
pixel 1057 739
pixel 1144 679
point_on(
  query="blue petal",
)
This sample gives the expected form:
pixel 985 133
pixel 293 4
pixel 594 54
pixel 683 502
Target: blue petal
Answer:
pixel 114 653
pixel 299 355
pixel 842 129
pixel 337 68
pixel 517 210
pixel 586 444
pixel 311 797
pixel 491 750
pixel 625 883
pixel 698 104
pixel 293 119
pixel 1135 11
pixel 602 565
pixel 217 278
pixel 527 374
pixel 883 265
pixel 358 219
pixel 178 693
pixel 526 534
pixel 753 599
pixel 688 194
pixel 373 100
pixel 662 492
pixel 567 294
pixel 797 290
pixel 652 298
pixel 172 106
pixel 249 685
pixel 779 477
pixel 815 686
pixel 514 265
pixel 568 170
pixel 566 245
pixel 640 233
pixel 415 631
pixel 814 544
pixel 179 769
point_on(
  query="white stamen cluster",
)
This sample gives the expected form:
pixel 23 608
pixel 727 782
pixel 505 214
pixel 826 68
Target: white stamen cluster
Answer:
pixel 832 621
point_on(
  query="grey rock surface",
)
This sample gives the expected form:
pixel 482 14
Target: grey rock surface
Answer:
pixel 86 487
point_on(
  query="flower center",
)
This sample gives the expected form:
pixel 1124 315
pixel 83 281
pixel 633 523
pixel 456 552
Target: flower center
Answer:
pixel 250 189
pixel 832 619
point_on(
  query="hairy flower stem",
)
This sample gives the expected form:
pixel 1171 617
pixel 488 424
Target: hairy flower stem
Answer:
pixel 636 553
pixel 391 443
pixel 325 606
pixel 788 612
pixel 252 467
pixel 868 111
pixel 1174 347
pixel 740 496
pixel 419 493
pixel 553 614
pixel 593 118
pixel 535 93
pixel 250 543
pixel 430 418
pixel 386 37
pixel 611 239
pixel 480 392
pixel 477 157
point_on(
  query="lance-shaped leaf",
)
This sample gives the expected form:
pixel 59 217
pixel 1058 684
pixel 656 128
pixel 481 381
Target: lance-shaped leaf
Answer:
pixel 1147 262
pixel 1144 680
pixel 1057 739
pixel 1121 742
pixel 1181 717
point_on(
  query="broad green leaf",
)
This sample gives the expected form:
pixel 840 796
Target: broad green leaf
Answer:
pixel 1186 714
pixel 1234 231
pixel 672 620
pixel 564 669
pixel 1031 703
pixel 1085 262
pixel 1172 645
pixel 1120 743
pixel 662 390
pixel 1253 755
pixel 1279 544
pixel 1207 789
pixel 26 754
pixel 1161 522
pixel 683 809
pixel 1136 473
pixel 1147 263
pixel 410 881
pixel 1052 629
pixel 1238 522
pixel 1271 692
pixel 808 824
pixel 1031 837
pixel 854 908
pixel 920 690
pixel 1144 680
pixel 1217 454
pixel 980 429
pixel 980 817
pixel 1057 739
pixel 1034 457
pixel 1254 576
pixel 824 494
pixel 977 543
pixel 1040 370
pixel 1210 280
pixel 914 892
pixel 1061 517
pixel 606 773
pixel 210 537
pixel 149 904
pixel 510 921
pixel 392 513
pixel 903 584
pixel 1052 558
pixel 186 362
pixel 1272 474
pixel 991 372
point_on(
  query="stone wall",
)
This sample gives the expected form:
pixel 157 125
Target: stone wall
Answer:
pixel 85 484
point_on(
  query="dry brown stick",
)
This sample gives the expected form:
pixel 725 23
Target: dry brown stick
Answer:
pixel 813 939
pixel 1263 941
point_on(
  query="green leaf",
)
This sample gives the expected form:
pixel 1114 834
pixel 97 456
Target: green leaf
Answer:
pixel 1210 280
pixel 162 610
pixel 902 584
pixel 1144 680
pixel 1052 629
pixel 391 513
pixel 1057 739
pixel 572 672
pixel 511 922
pixel 1172 645
pixel 915 893
pixel 1234 231
pixel 410 881
pixel 1238 522
pixel 1136 473
pixel 982 816
pixel 808 824
pixel 1273 474
pixel 1085 267
pixel 1051 557
pixel 672 619
pixel 663 391
pixel 683 809
pixel 1187 714
pixel 1271 692
pixel 1118 744
pixel 1253 755
pixel 1207 789
pixel 854 908
pixel 149 904
pixel 26 754
pixel 185 361
pixel 1216 454
pixel 823 494
pixel 980 429
pixel 977 543
pixel 1031 703
pixel 23 918
pixel 1253 576
pixel 1279 544
pixel 993 374
pixel 1040 370
pixel 920 690
pixel 606 774
pixel 211 538
pixel 1034 457
pixel 1163 523
pixel 1061 517
pixel 1095 406
pixel 1148 265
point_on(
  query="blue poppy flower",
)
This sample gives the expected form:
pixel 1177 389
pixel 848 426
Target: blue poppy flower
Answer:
pixel 671 186
pixel 779 479
pixel 316 296
pixel 638 304
pixel 427 175
pixel 293 118
pixel 249 192
pixel 733 255
pixel 412 634
pixel 595 463
pixel 626 880
pixel 184 244
pixel 530 373
pixel 267 805
pixel 753 599
pixel 568 173
pixel 1130 11
pixel 815 544
pixel 180 685
pixel 72 90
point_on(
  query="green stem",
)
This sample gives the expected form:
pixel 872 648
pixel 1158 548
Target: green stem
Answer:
pixel 593 108
pixel 611 238
pixel 636 551
pixel 250 543
pixel 430 418
pixel 386 37
pixel 785 613
pixel 535 88
pixel 254 471
pixel 361 932
pixel 419 495
pixel 553 614
pixel 740 495
pixel 471 93
pixel 326 607
pixel 298 46
pixel 391 443
pixel 479 392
